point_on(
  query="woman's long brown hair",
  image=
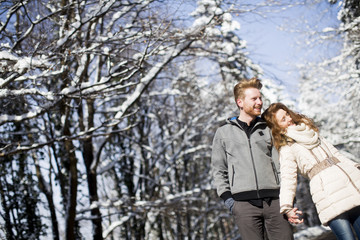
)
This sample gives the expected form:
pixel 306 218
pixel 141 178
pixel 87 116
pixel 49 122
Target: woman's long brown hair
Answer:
pixel 279 136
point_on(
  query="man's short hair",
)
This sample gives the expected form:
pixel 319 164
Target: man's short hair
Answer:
pixel 244 84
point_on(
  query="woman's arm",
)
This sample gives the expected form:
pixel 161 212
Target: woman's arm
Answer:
pixel 288 171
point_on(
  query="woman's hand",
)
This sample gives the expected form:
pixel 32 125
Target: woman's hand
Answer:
pixel 293 216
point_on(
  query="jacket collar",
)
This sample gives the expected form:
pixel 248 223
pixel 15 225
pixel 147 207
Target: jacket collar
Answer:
pixel 233 121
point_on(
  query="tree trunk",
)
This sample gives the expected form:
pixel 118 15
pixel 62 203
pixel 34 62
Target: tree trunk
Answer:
pixel 6 217
pixel 92 186
pixel 49 198
pixel 89 159
pixel 70 224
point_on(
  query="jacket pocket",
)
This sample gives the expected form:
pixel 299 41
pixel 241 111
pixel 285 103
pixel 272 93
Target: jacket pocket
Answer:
pixel 233 175
pixel 275 172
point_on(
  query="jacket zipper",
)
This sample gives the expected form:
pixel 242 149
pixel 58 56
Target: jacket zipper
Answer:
pixel 256 178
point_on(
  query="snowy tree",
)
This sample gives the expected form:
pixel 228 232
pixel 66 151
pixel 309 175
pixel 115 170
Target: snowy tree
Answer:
pixel 335 80
pixel 109 108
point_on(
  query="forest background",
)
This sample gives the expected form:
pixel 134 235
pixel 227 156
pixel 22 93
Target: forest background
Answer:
pixel 108 108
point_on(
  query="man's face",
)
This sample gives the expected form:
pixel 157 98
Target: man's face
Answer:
pixel 252 103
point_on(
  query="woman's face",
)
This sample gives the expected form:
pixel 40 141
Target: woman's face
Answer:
pixel 283 119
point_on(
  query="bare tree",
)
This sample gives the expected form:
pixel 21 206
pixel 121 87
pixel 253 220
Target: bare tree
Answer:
pixel 114 107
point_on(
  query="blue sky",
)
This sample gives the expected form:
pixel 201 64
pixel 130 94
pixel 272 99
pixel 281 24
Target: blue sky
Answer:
pixel 279 51
pixel 276 51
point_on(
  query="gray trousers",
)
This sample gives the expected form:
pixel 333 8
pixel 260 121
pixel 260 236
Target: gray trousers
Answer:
pixel 256 223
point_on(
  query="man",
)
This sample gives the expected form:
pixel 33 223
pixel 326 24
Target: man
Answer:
pixel 244 166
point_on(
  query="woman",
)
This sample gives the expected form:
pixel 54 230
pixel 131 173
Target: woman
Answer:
pixel 334 179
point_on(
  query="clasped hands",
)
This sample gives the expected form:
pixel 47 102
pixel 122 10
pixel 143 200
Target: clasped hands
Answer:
pixel 293 216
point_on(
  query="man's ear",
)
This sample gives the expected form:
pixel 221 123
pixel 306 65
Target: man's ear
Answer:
pixel 239 102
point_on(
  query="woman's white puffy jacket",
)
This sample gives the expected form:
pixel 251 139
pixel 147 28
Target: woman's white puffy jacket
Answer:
pixel 334 190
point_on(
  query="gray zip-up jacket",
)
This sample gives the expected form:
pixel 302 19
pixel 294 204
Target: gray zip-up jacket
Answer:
pixel 245 168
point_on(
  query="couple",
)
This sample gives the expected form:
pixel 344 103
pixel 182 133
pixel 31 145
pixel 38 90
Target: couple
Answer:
pixel 246 156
